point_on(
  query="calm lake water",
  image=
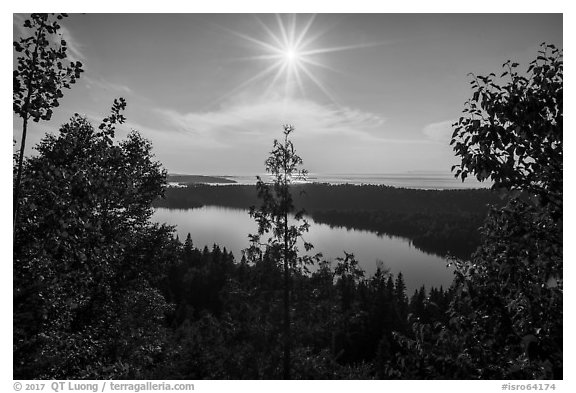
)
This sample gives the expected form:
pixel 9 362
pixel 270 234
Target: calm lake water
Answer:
pixel 230 228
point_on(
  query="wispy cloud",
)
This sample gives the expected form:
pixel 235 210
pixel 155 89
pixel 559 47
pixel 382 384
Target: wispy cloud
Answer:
pixel 74 47
pixel 259 118
pixel 440 132
pixel 100 83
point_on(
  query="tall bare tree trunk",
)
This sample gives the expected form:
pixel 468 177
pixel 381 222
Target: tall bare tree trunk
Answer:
pixel 16 201
pixel 286 292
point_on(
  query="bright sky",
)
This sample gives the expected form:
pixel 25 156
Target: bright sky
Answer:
pixel 367 93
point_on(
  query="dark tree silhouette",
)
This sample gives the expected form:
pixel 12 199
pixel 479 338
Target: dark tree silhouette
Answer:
pixel 505 319
pixel 512 134
pixel 41 74
pixel 273 218
pixel 87 260
pixel 348 275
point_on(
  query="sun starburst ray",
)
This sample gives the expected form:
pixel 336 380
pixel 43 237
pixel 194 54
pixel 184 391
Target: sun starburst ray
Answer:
pixel 298 42
pixel 247 82
pixel 282 30
pixel 270 33
pixel 277 56
pixel 320 85
pixel 281 71
pixel 299 83
pixel 291 48
pixel 318 64
pixel 258 42
pixel 292 32
pixel 287 84
pixel 341 48
pixel 311 38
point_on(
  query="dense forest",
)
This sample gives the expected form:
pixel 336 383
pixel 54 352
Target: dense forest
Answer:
pixel 101 292
pixel 441 222
pixel 224 323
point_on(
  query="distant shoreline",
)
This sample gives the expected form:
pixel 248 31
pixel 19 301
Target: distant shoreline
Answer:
pixel 196 179
pixel 416 180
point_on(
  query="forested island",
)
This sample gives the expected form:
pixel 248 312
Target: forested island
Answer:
pixel 100 291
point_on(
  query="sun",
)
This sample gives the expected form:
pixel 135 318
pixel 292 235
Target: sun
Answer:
pixel 289 52
pixel 291 56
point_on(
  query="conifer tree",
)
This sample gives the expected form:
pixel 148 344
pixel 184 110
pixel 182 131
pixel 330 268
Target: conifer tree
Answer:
pixel 400 289
pixel 274 219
